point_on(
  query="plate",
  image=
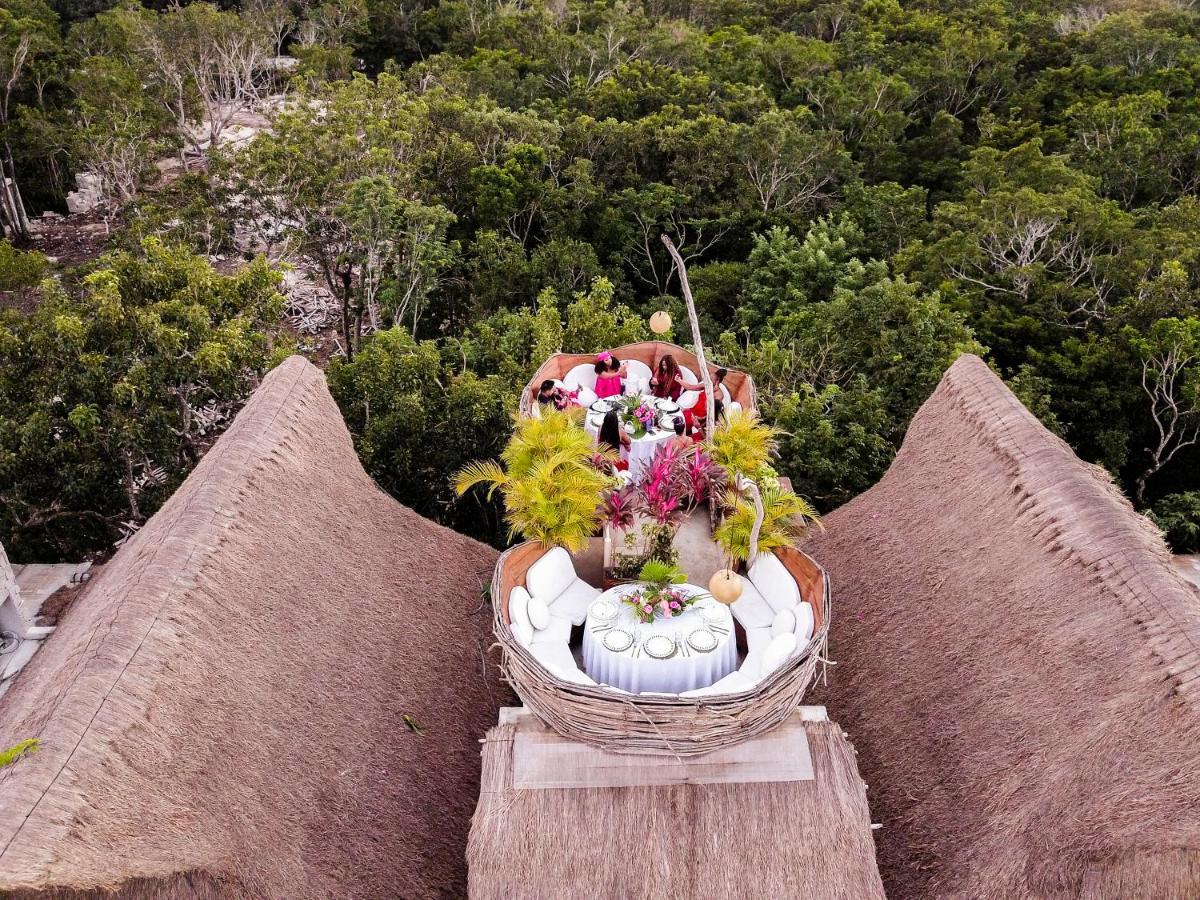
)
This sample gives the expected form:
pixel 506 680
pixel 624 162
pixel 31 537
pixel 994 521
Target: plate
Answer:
pixel 596 421
pixel 659 646
pixel 667 406
pixel 603 610
pixel 618 640
pixel 702 640
pixel 712 613
pixel 599 406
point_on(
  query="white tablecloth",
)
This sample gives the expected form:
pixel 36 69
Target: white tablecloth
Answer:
pixel 645 673
pixel 642 449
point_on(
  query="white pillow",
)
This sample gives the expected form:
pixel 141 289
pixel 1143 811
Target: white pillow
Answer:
pixel 806 622
pixel 783 623
pixel 551 575
pixel 774 582
pixel 518 615
pixel 777 653
pixel 539 613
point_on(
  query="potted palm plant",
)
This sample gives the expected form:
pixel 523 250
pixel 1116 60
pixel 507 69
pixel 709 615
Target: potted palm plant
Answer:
pixel 549 480
pixel 786 519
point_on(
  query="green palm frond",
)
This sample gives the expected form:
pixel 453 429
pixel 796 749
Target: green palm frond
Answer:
pixel 787 518
pixel 472 474
pixel 550 485
pixel 743 444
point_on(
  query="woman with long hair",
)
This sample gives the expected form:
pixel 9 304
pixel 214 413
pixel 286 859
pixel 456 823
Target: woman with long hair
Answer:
pixel 613 437
pixel 699 409
pixel 668 380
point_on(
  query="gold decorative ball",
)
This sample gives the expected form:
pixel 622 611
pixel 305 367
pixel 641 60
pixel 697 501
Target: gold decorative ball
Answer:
pixel 660 322
pixel 726 586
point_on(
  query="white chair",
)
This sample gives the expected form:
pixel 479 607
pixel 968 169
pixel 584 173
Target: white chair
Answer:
pixel 637 377
pixel 553 579
pixel 688 398
pixel 774 582
pixel 733 683
pixel 778 652
pixel 750 609
pixel 582 375
pixel 557 658
pixel 757 639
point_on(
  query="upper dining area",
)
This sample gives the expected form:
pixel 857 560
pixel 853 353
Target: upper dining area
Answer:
pixel 660 601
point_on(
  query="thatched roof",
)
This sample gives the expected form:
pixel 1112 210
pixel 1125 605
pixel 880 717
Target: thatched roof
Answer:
pixel 221 713
pixel 742 836
pixel 1017 664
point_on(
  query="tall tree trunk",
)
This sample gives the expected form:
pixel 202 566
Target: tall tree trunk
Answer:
pixel 705 378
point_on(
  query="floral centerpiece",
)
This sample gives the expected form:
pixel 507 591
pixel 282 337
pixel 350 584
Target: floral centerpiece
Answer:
pixel 658 595
pixel 638 413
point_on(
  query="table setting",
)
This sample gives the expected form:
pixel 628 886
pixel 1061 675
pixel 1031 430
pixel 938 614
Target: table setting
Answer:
pixel 649 421
pixel 678 640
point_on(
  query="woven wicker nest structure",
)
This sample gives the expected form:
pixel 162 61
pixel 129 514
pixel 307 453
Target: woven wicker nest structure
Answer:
pixel 659 724
pixel 739 384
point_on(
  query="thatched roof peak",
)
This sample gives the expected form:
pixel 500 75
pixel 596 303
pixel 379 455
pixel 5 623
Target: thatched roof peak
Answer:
pixel 1016 663
pixel 222 711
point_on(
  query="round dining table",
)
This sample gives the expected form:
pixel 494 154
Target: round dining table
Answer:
pixel 641 450
pixel 635 671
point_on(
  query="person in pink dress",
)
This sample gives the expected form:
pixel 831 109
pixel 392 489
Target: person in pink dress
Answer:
pixel 609 372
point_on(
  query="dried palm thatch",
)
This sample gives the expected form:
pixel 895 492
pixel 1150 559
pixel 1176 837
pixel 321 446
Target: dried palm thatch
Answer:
pixel 739 384
pixel 1017 665
pixel 652 724
pixel 807 838
pixel 274 689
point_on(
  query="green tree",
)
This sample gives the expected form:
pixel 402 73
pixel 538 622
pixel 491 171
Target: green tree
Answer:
pixel 112 392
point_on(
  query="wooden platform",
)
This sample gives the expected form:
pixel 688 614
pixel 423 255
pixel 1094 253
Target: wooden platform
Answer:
pixel 542 758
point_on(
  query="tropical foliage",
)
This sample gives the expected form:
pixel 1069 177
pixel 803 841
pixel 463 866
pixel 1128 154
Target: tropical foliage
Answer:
pixel 547 478
pixel 18 751
pixel 862 191
pixel 110 390
pixel 743 445
pixel 786 520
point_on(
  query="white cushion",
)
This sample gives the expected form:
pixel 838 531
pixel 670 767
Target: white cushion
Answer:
pixel 518 615
pixel 539 613
pixel 784 622
pixel 585 397
pixel 573 603
pixel 573 674
pixel 636 370
pixel 553 655
pixel 550 575
pixel 559 630
pixel 751 609
pixel 806 623
pixel 583 375
pixel 733 407
pixel 777 653
pixel 688 398
pixel 757 639
pixel 771 578
pixel 732 683
pixel 725 398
